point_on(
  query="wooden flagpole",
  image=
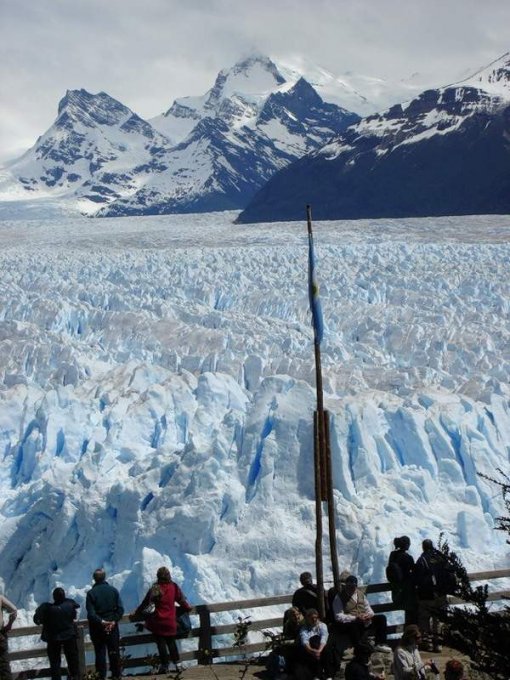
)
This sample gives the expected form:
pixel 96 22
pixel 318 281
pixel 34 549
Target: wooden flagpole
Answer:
pixel 319 448
pixel 322 460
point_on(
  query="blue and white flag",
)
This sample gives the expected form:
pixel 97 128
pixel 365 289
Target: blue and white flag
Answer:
pixel 313 293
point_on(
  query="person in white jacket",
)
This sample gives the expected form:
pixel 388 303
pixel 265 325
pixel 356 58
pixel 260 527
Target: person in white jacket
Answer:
pixel 407 662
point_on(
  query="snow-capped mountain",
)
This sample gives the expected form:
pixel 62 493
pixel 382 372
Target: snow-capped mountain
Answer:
pixel 205 153
pixel 96 150
pixel 445 152
pixel 156 399
pixel 252 123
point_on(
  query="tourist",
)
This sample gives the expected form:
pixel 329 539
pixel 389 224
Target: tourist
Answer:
pixel 353 617
pixel 454 670
pixel 431 600
pixel 399 573
pixel 306 597
pixel 313 636
pixel 407 662
pixel 104 610
pixel 5 604
pixel 59 632
pixel 162 622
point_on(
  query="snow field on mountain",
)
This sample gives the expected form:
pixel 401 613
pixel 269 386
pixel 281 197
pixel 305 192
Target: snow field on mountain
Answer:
pixel 156 398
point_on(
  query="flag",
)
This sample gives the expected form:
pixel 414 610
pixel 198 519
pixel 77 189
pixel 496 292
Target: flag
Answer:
pixel 313 293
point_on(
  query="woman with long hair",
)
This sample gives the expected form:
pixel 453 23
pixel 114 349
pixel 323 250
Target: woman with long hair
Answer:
pixel 162 621
pixel 400 575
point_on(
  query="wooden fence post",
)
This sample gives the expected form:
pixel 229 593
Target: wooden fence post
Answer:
pixel 82 662
pixel 205 652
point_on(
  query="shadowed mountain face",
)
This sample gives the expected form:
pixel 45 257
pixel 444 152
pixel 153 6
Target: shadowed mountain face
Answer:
pixel 445 153
pixel 205 153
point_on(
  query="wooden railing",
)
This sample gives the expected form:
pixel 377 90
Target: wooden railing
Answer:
pixel 205 651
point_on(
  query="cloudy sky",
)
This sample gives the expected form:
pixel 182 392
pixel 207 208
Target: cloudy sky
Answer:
pixel 148 52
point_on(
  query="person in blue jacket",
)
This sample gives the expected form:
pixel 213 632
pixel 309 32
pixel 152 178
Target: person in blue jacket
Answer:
pixel 104 611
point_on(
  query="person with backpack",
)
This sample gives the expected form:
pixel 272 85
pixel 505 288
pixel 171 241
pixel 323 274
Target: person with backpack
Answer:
pixel 434 580
pixel 399 573
pixel 57 619
pixel 162 622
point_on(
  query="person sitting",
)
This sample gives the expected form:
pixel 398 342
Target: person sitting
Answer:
pixel 407 663
pixel 284 649
pixel 354 619
pixel 293 619
pixel 358 667
pixel 454 670
pixel 313 637
pixel 306 597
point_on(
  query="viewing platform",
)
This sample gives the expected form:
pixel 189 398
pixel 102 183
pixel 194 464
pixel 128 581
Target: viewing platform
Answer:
pixel 210 646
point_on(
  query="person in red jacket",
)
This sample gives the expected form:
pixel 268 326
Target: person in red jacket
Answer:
pixel 162 621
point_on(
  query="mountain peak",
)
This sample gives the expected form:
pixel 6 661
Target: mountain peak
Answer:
pixel 90 109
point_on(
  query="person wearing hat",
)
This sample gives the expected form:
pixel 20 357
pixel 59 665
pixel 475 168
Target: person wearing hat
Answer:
pixel 358 667
pixel 407 663
pixel 354 619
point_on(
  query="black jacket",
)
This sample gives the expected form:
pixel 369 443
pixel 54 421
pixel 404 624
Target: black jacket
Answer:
pixel 103 603
pixel 57 620
pixel 306 598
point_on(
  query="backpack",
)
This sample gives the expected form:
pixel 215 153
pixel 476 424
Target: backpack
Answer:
pixel 442 575
pixel 394 573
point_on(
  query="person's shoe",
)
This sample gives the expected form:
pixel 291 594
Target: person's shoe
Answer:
pixel 162 670
pixel 383 649
pixel 178 668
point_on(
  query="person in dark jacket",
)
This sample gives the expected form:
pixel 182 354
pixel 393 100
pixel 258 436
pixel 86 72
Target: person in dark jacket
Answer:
pixel 403 591
pixel 104 610
pixel 59 632
pixel 430 599
pixel 306 597
pixel 162 623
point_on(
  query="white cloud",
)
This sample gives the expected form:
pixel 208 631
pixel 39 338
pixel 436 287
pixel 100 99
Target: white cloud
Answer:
pixel 146 53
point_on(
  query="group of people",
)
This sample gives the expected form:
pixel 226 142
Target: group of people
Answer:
pixel 104 611
pixel 317 647
pixel 419 588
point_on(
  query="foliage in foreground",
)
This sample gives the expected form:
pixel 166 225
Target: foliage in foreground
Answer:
pixel 477 629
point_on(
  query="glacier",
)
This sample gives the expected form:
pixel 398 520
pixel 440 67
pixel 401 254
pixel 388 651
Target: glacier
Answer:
pixel 157 396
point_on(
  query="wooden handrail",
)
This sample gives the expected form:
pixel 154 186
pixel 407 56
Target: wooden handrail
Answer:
pixel 207 630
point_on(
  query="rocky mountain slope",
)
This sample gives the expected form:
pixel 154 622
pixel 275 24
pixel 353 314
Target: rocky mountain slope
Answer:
pixel 446 152
pixel 205 153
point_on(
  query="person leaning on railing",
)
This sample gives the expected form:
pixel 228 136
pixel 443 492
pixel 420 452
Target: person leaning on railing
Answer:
pixel 5 604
